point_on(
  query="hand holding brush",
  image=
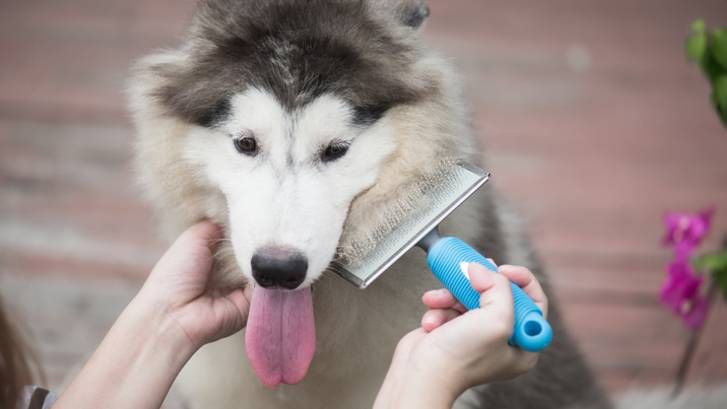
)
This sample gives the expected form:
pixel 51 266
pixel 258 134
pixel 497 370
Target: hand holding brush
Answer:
pixel 456 347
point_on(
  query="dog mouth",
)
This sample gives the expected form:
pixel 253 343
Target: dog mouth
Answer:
pixel 280 336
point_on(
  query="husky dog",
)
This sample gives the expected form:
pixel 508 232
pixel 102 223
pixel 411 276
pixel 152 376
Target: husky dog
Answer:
pixel 295 125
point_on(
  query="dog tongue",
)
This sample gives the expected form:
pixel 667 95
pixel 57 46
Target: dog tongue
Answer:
pixel 280 338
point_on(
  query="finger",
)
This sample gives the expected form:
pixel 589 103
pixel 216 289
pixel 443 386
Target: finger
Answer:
pixel 480 277
pixel 442 299
pixel 496 296
pixel 200 237
pixel 526 280
pixel 241 302
pixel 433 319
pixel 204 233
pixel 226 313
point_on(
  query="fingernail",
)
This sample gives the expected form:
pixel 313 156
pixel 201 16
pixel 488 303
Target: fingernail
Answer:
pixel 482 270
pixel 477 267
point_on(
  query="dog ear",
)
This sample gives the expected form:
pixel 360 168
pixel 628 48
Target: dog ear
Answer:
pixel 414 13
pixel 410 13
pixel 149 75
pixel 168 85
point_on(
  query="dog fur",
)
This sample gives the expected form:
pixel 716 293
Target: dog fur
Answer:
pixel 365 60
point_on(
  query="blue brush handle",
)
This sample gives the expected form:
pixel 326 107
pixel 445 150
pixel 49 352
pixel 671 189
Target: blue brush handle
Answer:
pixel 448 257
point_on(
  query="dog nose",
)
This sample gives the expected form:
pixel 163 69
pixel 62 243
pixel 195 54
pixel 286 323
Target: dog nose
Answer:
pixel 279 267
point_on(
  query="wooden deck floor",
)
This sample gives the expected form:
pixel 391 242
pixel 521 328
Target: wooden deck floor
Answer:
pixel 593 122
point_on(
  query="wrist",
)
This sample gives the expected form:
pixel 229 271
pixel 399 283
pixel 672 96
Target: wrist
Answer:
pixel 418 381
pixel 418 388
pixel 429 366
pixel 156 326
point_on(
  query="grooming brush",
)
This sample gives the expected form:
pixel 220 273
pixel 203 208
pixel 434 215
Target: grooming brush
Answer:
pixel 447 257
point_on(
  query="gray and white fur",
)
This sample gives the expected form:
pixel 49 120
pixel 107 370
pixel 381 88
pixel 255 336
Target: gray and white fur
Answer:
pixel 344 107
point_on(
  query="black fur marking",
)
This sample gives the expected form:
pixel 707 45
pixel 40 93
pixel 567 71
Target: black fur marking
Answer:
pixel 297 50
pixel 368 115
pixel 217 114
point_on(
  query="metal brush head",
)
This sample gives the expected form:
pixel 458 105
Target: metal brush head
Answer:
pixel 456 182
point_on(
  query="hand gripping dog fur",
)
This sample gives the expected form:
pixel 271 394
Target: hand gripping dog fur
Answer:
pixel 295 125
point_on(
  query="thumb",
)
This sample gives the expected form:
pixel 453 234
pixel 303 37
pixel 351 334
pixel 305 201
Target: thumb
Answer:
pixel 193 249
pixel 495 295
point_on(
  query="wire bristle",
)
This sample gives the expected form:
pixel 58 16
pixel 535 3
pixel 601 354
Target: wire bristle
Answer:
pixel 358 241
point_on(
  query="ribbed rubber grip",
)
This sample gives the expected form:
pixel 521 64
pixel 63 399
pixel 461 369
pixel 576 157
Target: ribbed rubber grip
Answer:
pixel 449 257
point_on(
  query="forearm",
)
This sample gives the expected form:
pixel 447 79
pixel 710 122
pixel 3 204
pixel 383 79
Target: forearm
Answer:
pixel 419 393
pixel 134 366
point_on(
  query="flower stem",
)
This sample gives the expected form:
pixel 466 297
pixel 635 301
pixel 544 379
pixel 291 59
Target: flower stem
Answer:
pixel 688 354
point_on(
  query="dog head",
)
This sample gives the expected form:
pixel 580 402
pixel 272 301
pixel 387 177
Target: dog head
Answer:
pixel 292 123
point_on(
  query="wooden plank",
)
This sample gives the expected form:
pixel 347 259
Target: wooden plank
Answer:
pixel 593 122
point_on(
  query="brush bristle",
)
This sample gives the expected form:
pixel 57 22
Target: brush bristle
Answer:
pixel 405 220
pixel 359 241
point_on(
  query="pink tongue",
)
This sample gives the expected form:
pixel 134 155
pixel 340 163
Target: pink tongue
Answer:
pixel 280 338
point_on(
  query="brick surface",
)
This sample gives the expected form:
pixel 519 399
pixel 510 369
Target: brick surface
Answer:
pixel 593 122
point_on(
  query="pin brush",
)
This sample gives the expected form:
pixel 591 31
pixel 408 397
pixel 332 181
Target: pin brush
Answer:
pixel 415 222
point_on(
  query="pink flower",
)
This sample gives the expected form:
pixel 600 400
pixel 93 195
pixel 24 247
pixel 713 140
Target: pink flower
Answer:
pixel 685 231
pixel 681 292
pixel 695 312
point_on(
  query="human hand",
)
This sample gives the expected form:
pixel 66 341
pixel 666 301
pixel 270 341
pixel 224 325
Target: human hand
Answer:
pixel 455 349
pixel 472 346
pixel 169 319
pixel 177 290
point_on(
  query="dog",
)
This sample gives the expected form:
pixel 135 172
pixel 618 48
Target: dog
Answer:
pixel 295 125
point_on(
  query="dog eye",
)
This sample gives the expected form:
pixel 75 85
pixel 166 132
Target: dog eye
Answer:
pixel 246 145
pixel 334 151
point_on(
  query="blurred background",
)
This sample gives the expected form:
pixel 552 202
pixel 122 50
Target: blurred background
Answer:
pixel 594 122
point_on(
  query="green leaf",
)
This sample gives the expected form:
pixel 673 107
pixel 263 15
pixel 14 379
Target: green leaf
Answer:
pixel 720 279
pixel 720 91
pixel 711 67
pixel 698 26
pixel 696 47
pixel 696 44
pixel 709 51
pixel 722 114
pixel 720 108
pixel 718 46
pixel 712 262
